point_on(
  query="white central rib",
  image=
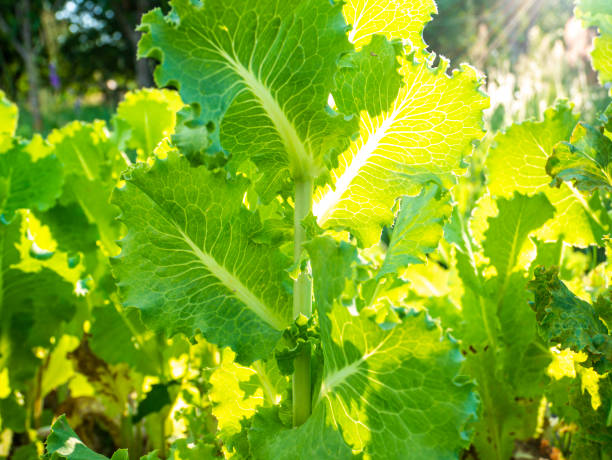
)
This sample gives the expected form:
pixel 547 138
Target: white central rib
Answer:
pixel 323 208
pixel 336 378
pixel 298 154
pixel 333 380
pixel 238 289
pixel 83 163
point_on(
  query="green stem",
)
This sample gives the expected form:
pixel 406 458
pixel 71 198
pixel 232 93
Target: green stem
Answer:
pixel 162 446
pixel 126 435
pixel 37 407
pixel 137 442
pixel 302 304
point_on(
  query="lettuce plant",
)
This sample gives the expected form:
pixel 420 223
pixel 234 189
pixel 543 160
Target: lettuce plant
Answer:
pixel 322 123
pixel 291 219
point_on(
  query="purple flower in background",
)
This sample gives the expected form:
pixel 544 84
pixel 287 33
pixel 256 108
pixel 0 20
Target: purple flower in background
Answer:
pixel 54 77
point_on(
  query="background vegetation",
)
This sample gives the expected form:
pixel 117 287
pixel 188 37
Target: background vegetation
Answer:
pixel 122 385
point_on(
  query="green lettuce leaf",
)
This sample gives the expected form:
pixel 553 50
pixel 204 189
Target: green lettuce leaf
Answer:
pixel 396 393
pixel 29 178
pixel 413 142
pixel 392 393
pixel 190 260
pixel 498 331
pixel 517 163
pixel 317 438
pixel 508 231
pixel 586 160
pixel 149 115
pixel 332 264
pixel 83 149
pixel 522 358
pixel 260 74
pixel 92 163
pixel 371 71
pixel 598 13
pixel 571 322
pixel 506 415
pixel 417 230
pixel 238 391
pixel 70 228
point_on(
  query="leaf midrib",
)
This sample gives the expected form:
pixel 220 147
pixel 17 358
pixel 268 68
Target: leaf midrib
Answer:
pixel 300 158
pixel 339 376
pixel 324 208
pixel 229 280
pixel 232 283
pixel 513 247
pixel 88 174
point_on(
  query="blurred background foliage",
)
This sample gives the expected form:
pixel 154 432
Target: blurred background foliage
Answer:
pixel 65 60
pixel 74 59
pixel 532 52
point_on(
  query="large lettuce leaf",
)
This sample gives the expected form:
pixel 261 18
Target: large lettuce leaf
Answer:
pixel 392 392
pixel 259 75
pixel 517 162
pixel 422 137
pixel 191 259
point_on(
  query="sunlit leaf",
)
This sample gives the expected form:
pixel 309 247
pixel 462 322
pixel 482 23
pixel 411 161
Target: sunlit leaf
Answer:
pixel 150 115
pixel 380 386
pixel 517 163
pixel 392 18
pixel 8 118
pixel 422 137
pixel 508 231
pixel 189 260
pixel 585 161
pixel 417 229
pixel 260 75
pixel 28 183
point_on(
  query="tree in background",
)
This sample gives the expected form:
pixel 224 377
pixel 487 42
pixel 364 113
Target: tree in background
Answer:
pixel 70 46
pixel 20 28
pixel 102 38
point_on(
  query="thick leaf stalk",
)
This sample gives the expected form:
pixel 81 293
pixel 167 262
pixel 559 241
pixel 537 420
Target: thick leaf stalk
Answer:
pixel 302 304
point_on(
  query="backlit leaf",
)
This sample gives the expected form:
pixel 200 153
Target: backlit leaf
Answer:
pixel 189 260
pixel 417 229
pixel 149 115
pixel 586 160
pixel 517 163
pixel 508 231
pixel 392 18
pixel 260 74
pixel 422 137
